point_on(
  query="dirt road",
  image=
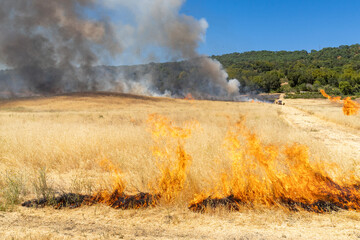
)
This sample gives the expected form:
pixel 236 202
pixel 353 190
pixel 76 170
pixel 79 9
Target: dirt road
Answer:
pixel 338 139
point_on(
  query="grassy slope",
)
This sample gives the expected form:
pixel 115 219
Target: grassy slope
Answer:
pixel 70 134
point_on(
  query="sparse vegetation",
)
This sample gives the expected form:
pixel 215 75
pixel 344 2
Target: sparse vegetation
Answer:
pixel 12 189
pixel 41 185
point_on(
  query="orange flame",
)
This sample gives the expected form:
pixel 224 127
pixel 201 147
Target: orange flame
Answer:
pixel 189 96
pixel 116 174
pixel 106 197
pixel 170 154
pixel 173 162
pixel 333 99
pixel 270 175
pixel 350 107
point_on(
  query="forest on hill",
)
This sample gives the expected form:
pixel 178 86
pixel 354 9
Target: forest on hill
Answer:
pixel 335 69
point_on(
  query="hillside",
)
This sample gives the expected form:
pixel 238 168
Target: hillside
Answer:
pixel 335 69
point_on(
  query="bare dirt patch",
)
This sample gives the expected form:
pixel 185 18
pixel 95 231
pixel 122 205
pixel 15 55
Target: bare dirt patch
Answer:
pixel 339 139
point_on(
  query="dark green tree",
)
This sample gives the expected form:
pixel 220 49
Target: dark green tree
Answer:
pixel 345 88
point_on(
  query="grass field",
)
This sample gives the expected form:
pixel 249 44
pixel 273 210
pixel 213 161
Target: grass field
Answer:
pixel 326 110
pixel 57 144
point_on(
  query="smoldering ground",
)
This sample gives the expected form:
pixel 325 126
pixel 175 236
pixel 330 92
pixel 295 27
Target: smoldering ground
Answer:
pixel 54 47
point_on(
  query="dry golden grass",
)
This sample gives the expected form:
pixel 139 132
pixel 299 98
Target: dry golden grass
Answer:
pixel 327 110
pixel 69 135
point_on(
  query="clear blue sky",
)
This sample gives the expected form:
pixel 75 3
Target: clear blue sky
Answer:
pixel 245 25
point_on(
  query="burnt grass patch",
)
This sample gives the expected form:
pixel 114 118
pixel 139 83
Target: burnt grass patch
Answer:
pixel 234 204
pixel 120 200
pixel 70 200
pixel 117 200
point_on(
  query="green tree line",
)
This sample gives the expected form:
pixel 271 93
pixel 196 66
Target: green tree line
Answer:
pixel 337 70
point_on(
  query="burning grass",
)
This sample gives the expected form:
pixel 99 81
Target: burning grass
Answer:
pixel 189 97
pixel 170 154
pixel 332 99
pixel 172 161
pixel 117 198
pixel 261 175
pixel 272 176
pixel 350 107
pixel 67 137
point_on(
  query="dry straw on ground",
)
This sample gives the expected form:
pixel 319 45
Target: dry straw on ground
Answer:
pixel 67 137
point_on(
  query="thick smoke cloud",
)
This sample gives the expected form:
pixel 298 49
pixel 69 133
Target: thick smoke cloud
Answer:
pixel 44 39
pixel 159 23
pixel 53 48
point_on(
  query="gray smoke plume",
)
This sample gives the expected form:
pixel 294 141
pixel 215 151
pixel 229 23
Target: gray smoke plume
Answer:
pixel 159 24
pixel 53 48
pixel 44 39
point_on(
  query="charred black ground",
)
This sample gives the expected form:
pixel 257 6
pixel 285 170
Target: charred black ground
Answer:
pixel 115 200
pixel 70 200
pixel 123 201
pixel 233 204
pixel 342 198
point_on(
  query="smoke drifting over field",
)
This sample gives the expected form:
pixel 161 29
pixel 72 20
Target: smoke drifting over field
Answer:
pixel 53 47
pixel 46 40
